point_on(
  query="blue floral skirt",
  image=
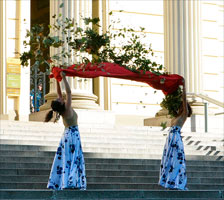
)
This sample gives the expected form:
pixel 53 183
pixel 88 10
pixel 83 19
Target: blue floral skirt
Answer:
pixel 68 168
pixel 173 163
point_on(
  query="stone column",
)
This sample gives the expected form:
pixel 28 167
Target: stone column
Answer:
pixel 82 95
pixel 2 61
pixel 182 50
pixel 182 41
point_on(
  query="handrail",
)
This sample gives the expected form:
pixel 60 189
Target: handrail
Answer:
pixel 209 99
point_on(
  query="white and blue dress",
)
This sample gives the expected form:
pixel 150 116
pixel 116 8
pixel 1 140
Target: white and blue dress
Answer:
pixel 68 168
pixel 173 163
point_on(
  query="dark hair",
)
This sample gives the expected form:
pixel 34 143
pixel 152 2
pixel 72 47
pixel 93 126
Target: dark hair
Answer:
pixel 56 107
pixel 189 109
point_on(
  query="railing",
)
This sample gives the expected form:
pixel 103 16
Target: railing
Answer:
pixel 37 89
pixel 210 100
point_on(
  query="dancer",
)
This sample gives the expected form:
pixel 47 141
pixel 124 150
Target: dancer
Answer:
pixel 68 168
pixel 173 166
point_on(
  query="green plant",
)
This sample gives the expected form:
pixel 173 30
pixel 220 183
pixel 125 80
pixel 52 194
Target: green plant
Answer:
pixel 172 102
pixel 88 45
pixel 163 125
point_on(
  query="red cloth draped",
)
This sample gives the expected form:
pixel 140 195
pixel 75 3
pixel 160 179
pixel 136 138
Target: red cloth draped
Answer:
pixel 167 83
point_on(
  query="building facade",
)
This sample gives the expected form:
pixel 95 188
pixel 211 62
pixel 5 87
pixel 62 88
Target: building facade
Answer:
pixel 186 36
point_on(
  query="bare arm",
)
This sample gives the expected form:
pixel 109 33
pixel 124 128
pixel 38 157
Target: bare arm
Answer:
pixel 184 99
pixel 68 91
pixel 180 120
pixel 59 90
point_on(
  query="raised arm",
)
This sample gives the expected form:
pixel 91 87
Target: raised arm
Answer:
pixel 67 90
pixel 59 90
pixel 184 99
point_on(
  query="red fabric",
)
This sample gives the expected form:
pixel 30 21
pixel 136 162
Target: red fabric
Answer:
pixel 166 83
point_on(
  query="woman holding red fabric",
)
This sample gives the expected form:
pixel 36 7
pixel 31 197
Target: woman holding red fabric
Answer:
pixel 68 169
pixel 173 167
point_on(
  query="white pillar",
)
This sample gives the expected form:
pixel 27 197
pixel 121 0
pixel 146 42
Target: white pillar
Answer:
pixel 2 59
pixel 82 95
pixel 24 101
pixel 182 41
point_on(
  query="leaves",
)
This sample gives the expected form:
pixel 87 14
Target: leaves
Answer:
pixel 172 102
pixel 61 5
pixel 163 125
pixel 89 45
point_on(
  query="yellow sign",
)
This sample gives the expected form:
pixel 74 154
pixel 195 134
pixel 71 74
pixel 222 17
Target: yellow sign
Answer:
pixel 15 61
pixel 12 68
pixel 13 77
pixel 13 92
pixel 13 80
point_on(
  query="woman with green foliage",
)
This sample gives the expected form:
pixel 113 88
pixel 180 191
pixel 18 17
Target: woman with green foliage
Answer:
pixel 173 167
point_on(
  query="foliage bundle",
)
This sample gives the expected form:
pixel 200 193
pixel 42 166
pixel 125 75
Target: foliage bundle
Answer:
pixel 172 102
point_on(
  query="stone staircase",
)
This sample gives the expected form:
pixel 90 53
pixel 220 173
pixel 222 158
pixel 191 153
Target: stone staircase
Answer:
pixel 121 162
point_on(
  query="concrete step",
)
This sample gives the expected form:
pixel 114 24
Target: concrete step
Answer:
pixel 29 150
pixel 39 127
pixel 89 160
pixel 110 179
pixel 117 156
pixel 108 172
pixel 119 149
pixel 108 167
pixel 111 186
pixel 42 159
pixel 108 194
pixel 108 132
pixel 192 151
pixel 114 143
pixel 114 134
pixel 103 139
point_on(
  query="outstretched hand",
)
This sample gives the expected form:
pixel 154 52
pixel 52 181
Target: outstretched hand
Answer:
pixel 62 74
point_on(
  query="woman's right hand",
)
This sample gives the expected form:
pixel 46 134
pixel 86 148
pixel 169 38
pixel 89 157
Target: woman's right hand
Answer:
pixel 62 74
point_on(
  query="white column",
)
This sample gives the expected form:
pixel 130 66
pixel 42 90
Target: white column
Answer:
pixel 182 41
pixel 24 99
pixel 107 103
pixel 82 95
pixel 2 59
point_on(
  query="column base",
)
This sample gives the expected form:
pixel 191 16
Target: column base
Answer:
pixel 79 101
pixel 4 117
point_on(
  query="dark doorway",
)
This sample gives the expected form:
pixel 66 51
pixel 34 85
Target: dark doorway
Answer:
pixel 39 81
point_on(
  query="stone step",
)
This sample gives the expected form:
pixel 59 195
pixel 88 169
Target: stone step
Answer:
pixel 36 159
pixel 111 186
pixel 110 179
pixel 38 148
pixel 159 136
pixel 115 156
pixel 119 149
pixel 108 194
pixel 107 161
pixel 210 150
pixel 121 139
pixel 123 167
pixel 145 156
pixel 18 168
pixel 98 128
pixel 114 143
pixel 109 133
pixel 100 173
